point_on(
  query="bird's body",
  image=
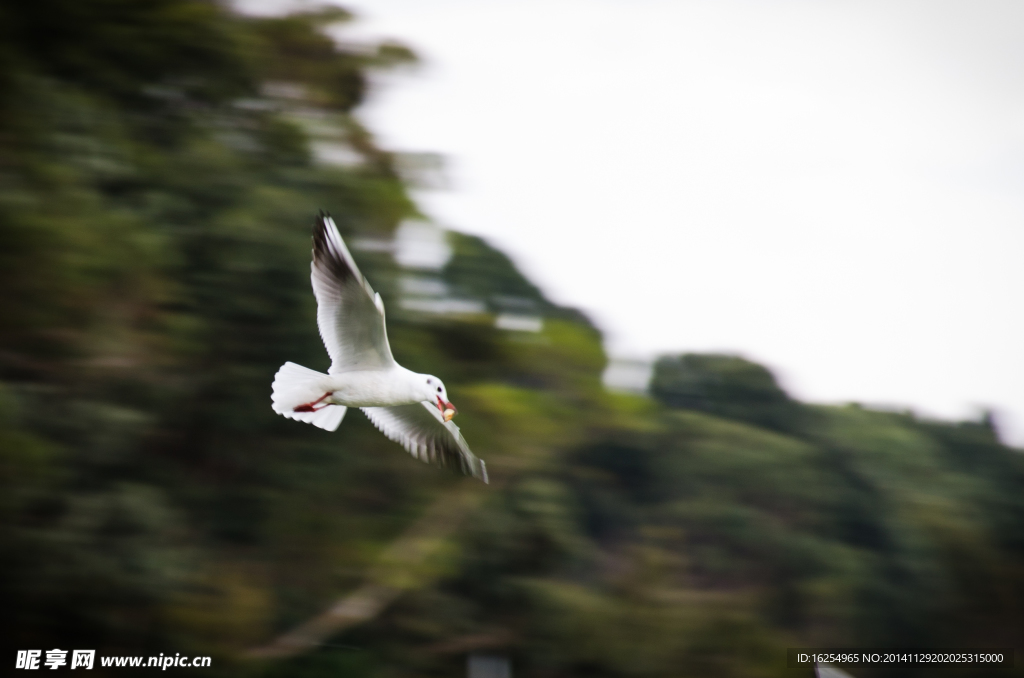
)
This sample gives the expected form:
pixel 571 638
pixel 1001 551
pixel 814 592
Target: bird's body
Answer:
pixel 398 386
pixel 410 408
pixel 363 388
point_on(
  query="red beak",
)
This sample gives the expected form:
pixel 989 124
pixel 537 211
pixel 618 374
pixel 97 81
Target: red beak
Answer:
pixel 443 406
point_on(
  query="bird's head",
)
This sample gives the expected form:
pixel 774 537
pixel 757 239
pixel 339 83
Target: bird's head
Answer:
pixel 438 395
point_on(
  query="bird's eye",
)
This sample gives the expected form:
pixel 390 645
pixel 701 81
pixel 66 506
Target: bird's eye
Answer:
pixel 438 389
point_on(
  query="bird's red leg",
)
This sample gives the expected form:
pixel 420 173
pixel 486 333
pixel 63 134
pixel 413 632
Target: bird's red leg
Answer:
pixel 311 407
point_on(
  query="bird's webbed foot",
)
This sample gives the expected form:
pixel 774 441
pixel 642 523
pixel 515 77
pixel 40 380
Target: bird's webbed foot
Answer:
pixel 312 407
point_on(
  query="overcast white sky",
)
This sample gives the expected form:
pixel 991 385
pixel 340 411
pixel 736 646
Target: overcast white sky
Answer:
pixel 835 189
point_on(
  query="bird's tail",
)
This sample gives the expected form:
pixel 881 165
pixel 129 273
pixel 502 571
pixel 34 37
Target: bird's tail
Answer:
pixel 295 386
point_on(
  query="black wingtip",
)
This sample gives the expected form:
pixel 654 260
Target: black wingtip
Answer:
pixel 320 232
pixel 325 256
pixel 320 226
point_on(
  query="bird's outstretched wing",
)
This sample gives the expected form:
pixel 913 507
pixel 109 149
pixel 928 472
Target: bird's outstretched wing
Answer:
pixel 424 433
pixel 349 313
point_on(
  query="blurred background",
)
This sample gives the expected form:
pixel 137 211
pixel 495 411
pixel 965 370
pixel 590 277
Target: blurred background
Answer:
pixel 680 513
pixel 831 188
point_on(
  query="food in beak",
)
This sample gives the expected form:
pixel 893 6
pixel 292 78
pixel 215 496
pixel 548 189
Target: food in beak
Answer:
pixel 447 409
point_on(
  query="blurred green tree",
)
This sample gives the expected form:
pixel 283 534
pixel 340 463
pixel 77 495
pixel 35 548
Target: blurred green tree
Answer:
pixel 725 385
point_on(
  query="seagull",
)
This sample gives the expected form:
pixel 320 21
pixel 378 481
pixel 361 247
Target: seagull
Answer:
pixel 409 408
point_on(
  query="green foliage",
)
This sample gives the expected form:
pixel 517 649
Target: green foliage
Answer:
pixel 728 386
pixel 156 188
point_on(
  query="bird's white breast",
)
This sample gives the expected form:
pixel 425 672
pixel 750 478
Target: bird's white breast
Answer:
pixel 373 388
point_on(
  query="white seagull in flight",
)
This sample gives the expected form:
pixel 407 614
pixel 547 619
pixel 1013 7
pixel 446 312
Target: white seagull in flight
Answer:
pixel 409 408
